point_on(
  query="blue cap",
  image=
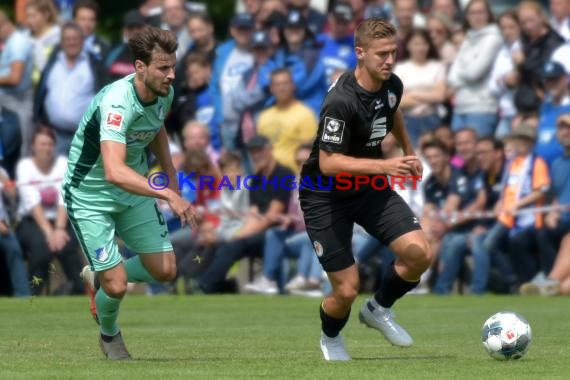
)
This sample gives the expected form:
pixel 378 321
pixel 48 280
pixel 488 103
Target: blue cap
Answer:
pixel 553 70
pixel 243 20
pixel 295 19
pixel 257 142
pixel 260 39
pixel 376 11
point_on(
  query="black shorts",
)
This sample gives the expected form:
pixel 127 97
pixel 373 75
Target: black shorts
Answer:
pixel 330 219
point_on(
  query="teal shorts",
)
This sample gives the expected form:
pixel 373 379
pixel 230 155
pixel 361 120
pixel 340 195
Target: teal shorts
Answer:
pixel 141 226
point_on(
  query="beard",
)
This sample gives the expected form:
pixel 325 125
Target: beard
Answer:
pixel 157 90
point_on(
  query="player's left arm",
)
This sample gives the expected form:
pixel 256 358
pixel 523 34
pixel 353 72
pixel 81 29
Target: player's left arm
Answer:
pixel 159 147
pixel 401 135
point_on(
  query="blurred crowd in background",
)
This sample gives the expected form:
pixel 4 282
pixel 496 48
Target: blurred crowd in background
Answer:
pixel 486 103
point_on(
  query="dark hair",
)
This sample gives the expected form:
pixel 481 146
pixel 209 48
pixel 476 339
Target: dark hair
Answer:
pixel 436 144
pixel 432 51
pixel 89 4
pixel 372 28
pixel 496 143
pixel 197 160
pixel 149 39
pixel 229 158
pixel 73 26
pixel 203 16
pixel 43 130
pixel 305 146
pixel 490 16
pixel 281 70
pixel 198 59
pixel 511 13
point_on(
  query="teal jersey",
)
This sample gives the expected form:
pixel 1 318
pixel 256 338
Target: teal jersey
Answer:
pixel 115 114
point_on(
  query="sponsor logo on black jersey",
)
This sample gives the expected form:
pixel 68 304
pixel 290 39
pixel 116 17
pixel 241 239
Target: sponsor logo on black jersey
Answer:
pixel 334 129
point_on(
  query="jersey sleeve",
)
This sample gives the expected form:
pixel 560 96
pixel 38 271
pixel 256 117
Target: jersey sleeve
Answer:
pixel 334 125
pixel 116 116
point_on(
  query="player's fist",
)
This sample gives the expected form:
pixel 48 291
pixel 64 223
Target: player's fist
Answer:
pixel 401 165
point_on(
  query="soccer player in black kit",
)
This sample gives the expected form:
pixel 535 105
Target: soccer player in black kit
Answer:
pixel 357 113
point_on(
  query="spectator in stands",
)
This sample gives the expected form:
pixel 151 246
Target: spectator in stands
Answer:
pixel 300 53
pixel 268 204
pixel 150 10
pixel 337 52
pixel 556 102
pixel 315 20
pixel 288 240
pixel 406 18
pixel 425 89
pixel 504 76
pixel 44 231
pixel 86 15
pixel 233 59
pixel 71 76
pixel 444 134
pixel 174 17
pixel 16 65
pixel 474 106
pixel 289 123
pixel 196 135
pixel 119 61
pixel 194 100
pixel 539 41
pixel 41 19
pixel 201 30
pixel 252 94
pixel 9 244
pixel 491 162
pixel 449 9
pixel 466 195
pixel 252 6
pixel 436 190
pixel 440 30
pixel 525 184
pixel 560 19
pixel 555 237
pixel 268 12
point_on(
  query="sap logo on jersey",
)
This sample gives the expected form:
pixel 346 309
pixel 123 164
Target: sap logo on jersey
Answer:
pixel 141 136
pixel 334 129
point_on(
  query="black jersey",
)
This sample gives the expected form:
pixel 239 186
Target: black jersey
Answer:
pixel 353 122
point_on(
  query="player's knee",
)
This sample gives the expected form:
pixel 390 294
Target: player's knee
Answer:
pixel 346 294
pixel 419 256
pixel 115 288
pixel 166 274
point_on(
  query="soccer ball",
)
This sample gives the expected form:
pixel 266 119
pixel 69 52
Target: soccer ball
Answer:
pixel 506 335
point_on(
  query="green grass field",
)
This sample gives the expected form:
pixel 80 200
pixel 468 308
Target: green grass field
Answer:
pixel 248 337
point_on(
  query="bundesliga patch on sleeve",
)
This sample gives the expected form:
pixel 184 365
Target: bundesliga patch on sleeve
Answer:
pixel 114 120
pixel 333 131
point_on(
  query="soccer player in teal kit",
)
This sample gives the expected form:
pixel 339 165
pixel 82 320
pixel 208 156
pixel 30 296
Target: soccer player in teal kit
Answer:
pixel 105 190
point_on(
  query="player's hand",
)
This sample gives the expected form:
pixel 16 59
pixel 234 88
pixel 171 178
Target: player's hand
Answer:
pixel 400 165
pixel 417 168
pixel 184 210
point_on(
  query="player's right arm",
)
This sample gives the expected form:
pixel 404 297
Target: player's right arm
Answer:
pixel 334 140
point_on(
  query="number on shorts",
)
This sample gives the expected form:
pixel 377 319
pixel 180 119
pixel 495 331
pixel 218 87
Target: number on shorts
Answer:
pixel 159 215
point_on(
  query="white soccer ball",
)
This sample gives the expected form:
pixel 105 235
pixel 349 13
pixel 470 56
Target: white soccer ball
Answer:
pixel 506 335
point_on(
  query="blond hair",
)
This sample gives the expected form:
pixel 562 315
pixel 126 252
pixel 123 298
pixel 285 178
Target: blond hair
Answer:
pixel 371 29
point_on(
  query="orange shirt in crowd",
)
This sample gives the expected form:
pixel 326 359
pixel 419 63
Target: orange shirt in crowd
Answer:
pixel 519 176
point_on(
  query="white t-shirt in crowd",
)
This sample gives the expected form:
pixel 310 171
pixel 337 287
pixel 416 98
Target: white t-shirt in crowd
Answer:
pixel 420 77
pixel 36 188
